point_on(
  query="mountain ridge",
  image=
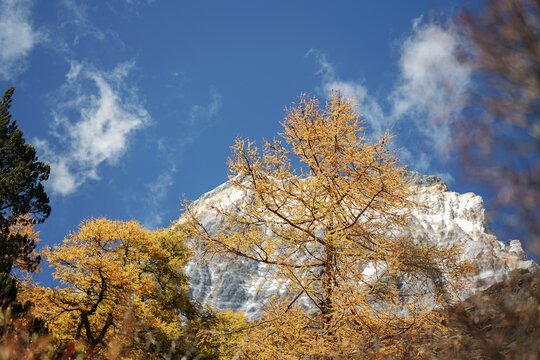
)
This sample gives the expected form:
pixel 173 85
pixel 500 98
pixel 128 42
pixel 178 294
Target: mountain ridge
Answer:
pixel 448 218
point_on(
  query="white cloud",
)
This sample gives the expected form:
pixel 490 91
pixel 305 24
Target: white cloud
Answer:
pixel 74 25
pixel 368 106
pixel 17 37
pixel 157 192
pixel 418 160
pixel 427 97
pixel 205 113
pixel 79 18
pixel 433 84
pixel 200 116
pixel 97 114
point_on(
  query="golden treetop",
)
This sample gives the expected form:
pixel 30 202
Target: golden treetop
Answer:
pixel 326 211
pixel 119 280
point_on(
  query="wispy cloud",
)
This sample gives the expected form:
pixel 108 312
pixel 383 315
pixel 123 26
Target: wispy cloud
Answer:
pixel 79 19
pixel 74 25
pixel 96 116
pixel 368 106
pixel 205 113
pixel 434 85
pixel 17 37
pixel 428 96
pixel 157 192
pixel 199 117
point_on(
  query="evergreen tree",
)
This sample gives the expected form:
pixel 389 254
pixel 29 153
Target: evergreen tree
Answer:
pixel 21 194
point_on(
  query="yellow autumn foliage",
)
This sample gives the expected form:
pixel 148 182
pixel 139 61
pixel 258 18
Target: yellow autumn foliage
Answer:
pixel 25 227
pixel 123 290
pixel 327 212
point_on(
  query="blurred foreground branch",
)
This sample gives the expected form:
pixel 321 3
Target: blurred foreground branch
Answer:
pixel 500 137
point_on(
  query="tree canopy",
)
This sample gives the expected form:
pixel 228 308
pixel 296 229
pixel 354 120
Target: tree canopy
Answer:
pixel 326 211
pixel 123 286
pixel 22 199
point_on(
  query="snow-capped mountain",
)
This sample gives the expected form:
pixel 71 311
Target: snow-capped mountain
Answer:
pixel 448 218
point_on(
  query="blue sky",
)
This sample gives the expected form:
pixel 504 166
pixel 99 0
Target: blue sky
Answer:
pixel 135 103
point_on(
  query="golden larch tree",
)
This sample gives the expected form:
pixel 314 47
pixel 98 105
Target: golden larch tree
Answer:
pixel 326 211
pixel 123 289
pixel 25 227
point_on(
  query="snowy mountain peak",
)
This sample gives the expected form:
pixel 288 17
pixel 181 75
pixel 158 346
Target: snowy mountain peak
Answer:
pixel 448 218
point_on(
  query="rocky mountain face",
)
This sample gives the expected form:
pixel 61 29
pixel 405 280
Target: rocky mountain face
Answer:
pixel 448 218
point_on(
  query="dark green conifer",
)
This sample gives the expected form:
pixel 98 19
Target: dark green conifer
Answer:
pixel 21 193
